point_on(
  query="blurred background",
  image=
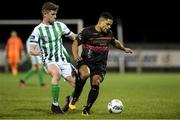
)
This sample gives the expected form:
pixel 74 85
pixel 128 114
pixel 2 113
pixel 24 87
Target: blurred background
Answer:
pixel 150 28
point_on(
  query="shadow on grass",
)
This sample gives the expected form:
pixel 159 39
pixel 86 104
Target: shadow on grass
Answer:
pixel 27 113
pixel 33 110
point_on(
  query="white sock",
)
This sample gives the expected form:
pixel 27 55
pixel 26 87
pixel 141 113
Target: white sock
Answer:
pixel 55 103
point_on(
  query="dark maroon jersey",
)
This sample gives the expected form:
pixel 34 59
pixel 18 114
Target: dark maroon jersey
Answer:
pixel 95 45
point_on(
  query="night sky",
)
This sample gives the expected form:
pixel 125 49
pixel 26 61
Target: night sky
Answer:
pixel 143 22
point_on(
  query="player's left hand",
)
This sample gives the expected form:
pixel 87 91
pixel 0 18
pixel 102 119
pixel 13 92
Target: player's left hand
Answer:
pixel 128 50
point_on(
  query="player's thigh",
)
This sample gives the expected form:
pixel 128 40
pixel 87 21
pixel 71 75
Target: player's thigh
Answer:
pixel 97 77
pixel 53 69
pixel 97 73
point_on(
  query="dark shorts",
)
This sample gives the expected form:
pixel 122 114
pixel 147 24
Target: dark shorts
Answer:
pixel 95 68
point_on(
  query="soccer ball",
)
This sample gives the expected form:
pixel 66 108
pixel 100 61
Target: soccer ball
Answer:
pixel 115 106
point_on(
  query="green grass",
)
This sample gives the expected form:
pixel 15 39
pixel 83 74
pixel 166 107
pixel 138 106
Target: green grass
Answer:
pixel 145 96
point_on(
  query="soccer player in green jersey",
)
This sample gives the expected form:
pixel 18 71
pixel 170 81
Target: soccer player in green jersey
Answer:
pixel 37 68
pixel 48 35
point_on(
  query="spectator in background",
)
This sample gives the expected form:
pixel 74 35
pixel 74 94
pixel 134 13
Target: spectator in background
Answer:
pixel 14 49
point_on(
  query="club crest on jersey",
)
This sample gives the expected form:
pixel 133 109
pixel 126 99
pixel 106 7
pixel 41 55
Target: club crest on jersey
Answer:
pixel 32 37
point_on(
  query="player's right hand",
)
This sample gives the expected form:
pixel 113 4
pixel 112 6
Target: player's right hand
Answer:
pixel 78 58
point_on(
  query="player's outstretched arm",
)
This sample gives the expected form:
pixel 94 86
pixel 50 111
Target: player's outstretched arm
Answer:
pixel 117 44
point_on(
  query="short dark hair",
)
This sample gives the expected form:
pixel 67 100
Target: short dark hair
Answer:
pixel 49 6
pixel 106 15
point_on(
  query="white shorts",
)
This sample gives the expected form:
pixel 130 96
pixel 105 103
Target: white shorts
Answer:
pixel 65 69
pixel 36 60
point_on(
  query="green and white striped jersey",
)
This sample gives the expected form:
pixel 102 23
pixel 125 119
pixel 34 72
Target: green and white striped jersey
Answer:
pixel 49 38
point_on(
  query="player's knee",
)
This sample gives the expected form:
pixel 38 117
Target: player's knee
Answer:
pixel 71 80
pixel 34 68
pixel 55 78
pixel 40 66
pixel 55 74
pixel 84 75
pixel 84 72
pixel 96 82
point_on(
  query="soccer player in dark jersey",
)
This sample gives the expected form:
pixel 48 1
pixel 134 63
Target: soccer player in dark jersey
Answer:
pixel 96 41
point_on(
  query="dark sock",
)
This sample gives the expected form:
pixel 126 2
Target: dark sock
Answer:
pixel 93 94
pixel 78 89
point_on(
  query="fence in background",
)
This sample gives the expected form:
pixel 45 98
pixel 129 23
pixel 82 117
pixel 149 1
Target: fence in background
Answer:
pixel 145 59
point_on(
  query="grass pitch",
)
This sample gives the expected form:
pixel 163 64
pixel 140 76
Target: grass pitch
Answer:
pixel 145 96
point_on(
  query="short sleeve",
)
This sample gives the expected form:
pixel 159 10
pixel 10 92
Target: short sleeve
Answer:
pixel 34 37
pixel 65 30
